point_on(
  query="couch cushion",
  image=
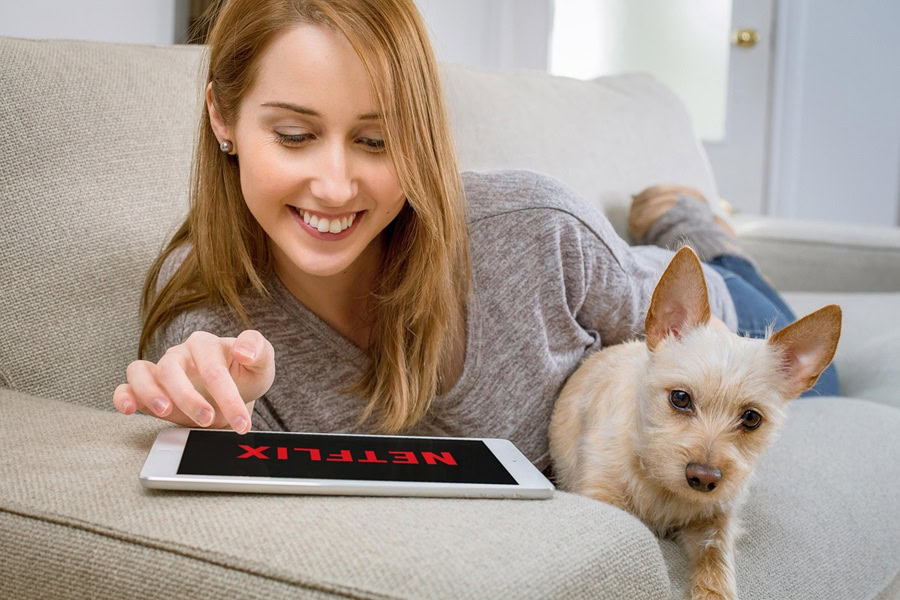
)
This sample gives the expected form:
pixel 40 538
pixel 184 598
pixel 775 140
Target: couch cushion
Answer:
pixel 868 354
pixel 70 503
pixel 96 145
pixel 607 138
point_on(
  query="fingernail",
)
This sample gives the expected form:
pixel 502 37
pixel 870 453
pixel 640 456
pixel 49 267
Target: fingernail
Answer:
pixel 204 416
pixel 160 406
pixel 240 424
pixel 127 405
pixel 246 350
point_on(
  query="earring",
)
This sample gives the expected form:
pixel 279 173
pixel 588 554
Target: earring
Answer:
pixel 226 146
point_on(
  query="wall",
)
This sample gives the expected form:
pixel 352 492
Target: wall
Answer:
pixel 836 113
pixel 129 21
pixel 494 34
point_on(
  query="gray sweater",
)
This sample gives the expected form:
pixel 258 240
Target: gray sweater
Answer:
pixel 552 283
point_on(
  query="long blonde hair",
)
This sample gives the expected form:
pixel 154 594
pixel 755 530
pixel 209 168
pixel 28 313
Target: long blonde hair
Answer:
pixel 425 276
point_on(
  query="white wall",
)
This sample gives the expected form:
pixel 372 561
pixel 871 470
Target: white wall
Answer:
pixel 128 21
pixel 498 34
pixel 836 113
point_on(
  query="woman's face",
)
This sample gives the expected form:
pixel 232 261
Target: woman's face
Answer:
pixel 311 148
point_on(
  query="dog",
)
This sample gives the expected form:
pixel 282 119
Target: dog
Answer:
pixel 668 428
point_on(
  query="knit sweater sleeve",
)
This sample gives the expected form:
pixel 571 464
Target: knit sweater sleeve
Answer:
pixel 609 284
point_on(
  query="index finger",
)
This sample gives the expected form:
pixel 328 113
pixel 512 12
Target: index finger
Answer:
pixel 211 361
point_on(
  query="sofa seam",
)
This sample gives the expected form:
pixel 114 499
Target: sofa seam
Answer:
pixel 172 548
pixel 880 248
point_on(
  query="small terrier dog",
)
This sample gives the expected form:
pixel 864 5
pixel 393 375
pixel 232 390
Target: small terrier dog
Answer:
pixel 669 428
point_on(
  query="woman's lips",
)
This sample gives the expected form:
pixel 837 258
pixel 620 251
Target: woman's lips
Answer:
pixel 326 235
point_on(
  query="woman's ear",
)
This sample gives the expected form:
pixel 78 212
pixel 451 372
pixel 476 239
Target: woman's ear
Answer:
pixel 220 129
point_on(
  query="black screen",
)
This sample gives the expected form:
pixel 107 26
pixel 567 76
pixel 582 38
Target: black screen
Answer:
pixel 335 456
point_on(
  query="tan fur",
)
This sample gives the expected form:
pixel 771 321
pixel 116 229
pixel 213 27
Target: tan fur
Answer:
pixel 615 436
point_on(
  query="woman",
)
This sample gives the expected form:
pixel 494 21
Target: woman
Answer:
pixel 331 232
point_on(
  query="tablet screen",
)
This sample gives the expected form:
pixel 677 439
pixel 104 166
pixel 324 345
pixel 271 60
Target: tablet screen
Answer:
pixel 334 456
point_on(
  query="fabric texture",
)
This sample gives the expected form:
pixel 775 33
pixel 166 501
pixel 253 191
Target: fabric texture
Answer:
pixel 76 523
pixel 824 257
pixel 553 282
pixel 95 151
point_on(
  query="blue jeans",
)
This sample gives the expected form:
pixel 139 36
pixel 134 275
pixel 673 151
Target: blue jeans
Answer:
pixel 757 305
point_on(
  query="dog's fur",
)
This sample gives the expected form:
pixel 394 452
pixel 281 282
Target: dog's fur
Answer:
pixel 616 434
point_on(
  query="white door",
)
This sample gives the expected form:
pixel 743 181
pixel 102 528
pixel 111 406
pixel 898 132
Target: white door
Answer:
pixel 739 161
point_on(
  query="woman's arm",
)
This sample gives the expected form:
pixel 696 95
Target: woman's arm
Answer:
pixel 608 283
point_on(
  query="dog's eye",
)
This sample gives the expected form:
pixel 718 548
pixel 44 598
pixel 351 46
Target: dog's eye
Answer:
pixel 751 419
pixel 680 399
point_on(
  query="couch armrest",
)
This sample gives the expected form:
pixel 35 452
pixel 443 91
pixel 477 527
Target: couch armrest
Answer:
pixel 811 256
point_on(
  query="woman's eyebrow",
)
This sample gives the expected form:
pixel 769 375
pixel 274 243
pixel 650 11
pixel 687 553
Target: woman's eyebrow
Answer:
pixel 303 110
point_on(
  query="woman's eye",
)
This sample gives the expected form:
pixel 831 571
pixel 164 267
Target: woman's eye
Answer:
pixel 291 140
pixel 751 419
pixel 375 144
pixel 296 140
pixel 680 399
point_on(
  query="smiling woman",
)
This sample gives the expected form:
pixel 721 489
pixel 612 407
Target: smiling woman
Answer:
pixel 318 105
pixel 316 156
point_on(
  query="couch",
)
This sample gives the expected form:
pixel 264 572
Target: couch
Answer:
pixel 95 148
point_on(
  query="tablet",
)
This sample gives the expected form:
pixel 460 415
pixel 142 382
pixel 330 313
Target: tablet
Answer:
pixel 340 464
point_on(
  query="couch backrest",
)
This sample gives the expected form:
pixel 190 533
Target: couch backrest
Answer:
pixel 95 149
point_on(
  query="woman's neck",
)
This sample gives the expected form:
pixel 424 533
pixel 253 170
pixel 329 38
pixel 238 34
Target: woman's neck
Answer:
pixel 341 300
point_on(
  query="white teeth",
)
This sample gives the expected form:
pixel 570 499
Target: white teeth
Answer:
pixel 330 225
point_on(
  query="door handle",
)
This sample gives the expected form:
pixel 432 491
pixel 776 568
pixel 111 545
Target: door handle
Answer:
pixel 745 38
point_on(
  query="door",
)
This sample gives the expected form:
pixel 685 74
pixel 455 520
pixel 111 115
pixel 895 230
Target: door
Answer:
pixel 740 160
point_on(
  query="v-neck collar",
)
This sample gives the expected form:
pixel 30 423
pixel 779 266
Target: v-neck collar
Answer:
pixel 349 352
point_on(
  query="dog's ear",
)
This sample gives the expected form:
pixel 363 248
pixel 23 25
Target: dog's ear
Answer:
pixel 680 301
pixel 807 346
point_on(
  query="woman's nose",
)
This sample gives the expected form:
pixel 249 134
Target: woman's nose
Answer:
pixel 334 184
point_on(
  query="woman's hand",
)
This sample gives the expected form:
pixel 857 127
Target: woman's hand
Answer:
pixel 207 381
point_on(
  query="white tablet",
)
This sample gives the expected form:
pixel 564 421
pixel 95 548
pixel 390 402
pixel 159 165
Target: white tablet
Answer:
pixel 340 464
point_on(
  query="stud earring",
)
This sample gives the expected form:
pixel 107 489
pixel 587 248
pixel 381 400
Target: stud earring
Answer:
pixel 226 146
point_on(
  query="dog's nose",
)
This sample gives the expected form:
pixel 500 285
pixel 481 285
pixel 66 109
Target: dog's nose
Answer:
pixel 702 478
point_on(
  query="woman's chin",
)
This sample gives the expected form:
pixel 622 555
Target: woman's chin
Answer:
pixel 321 267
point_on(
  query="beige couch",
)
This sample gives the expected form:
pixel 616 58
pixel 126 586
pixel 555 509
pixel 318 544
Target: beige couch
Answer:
pixel 95 145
